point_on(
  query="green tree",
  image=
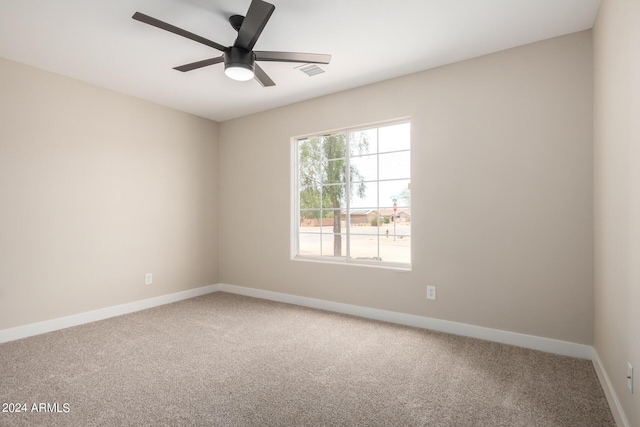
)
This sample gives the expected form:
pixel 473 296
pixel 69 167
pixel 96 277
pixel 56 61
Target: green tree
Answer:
pixel 322 175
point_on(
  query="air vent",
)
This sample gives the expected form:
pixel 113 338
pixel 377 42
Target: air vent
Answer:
pixel 311 70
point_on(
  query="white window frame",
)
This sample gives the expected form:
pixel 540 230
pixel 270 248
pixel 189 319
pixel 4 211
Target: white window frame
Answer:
pixel 347 233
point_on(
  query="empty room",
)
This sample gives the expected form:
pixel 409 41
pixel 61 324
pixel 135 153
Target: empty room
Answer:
pixel 340 213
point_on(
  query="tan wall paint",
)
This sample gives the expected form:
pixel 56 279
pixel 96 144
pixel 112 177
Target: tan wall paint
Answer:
pixel 617 195
pixel 502 193
pixel 96 189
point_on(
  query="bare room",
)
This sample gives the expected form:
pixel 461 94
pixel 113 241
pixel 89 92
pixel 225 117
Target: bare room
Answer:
pixel 363 213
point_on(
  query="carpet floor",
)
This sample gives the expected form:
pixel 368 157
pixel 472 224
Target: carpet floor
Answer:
pixel 229 360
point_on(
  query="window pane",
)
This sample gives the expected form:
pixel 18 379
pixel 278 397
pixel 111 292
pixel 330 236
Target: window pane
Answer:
pixel 398 250
pixel 364 168
pixel 404 198
pixel 362 217
pixel 394 137
pixel 333 195
pixel 395 165
pixel 385 220
pixel 364 245
pixel 309 176
pixel 403 220
pixel 363 142
pixel 310 198
pixel 309 162
pixel 402 217
pixel 310 221
pixel 334 146
pixel 329 243
pixel 394 189
pixel 364 234
pixel 309 244
pixel 364 195
pixel 333 171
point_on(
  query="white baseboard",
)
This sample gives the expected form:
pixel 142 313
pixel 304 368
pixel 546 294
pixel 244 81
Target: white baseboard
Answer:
pixel 25 331
pixel 610 393
pixel 513 338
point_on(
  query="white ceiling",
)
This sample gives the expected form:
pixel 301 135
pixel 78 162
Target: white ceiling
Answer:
pixel 96 41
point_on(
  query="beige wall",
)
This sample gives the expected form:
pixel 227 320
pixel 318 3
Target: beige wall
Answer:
pixel 96 189
pixel 617 195
pixel 502 193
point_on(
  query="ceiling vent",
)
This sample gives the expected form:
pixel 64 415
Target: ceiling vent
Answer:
pixel 311 69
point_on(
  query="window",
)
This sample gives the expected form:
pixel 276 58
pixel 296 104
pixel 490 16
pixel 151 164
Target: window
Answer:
pixel 353 196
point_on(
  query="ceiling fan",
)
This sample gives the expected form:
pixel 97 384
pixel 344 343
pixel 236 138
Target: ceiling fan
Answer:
pixel 240 59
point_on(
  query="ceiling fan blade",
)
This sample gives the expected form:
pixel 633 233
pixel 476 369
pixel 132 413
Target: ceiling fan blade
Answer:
pixel 262 77
pixel 257 17
pixel 175 30
pixel 199 64
pixel 311 58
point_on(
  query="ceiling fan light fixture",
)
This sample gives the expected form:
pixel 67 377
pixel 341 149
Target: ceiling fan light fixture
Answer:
pixel 238 72
pixel 239 64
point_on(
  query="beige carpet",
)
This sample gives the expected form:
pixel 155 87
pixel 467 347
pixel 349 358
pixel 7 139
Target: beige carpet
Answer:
pixel 228 360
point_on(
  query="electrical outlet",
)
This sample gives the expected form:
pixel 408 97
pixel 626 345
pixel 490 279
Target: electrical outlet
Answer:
pixel 431 292
pixel 148 279
pixel 630 377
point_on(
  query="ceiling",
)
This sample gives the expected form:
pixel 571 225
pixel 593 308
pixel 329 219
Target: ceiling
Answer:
pixel 96 41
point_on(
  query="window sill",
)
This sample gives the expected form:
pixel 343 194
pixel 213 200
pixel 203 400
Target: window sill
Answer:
pixel 404 268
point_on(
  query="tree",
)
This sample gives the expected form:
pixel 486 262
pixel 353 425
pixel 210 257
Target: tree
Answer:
pixel 405 195
pixel 322 176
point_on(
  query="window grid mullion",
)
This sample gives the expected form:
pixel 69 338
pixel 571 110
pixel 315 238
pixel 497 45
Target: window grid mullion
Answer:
pixel 378 190
pixel 322 160
pixel 347 194
pixel 296 203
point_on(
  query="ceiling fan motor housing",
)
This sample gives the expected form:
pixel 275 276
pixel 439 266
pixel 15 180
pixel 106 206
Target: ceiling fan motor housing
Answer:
pixel 237 57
